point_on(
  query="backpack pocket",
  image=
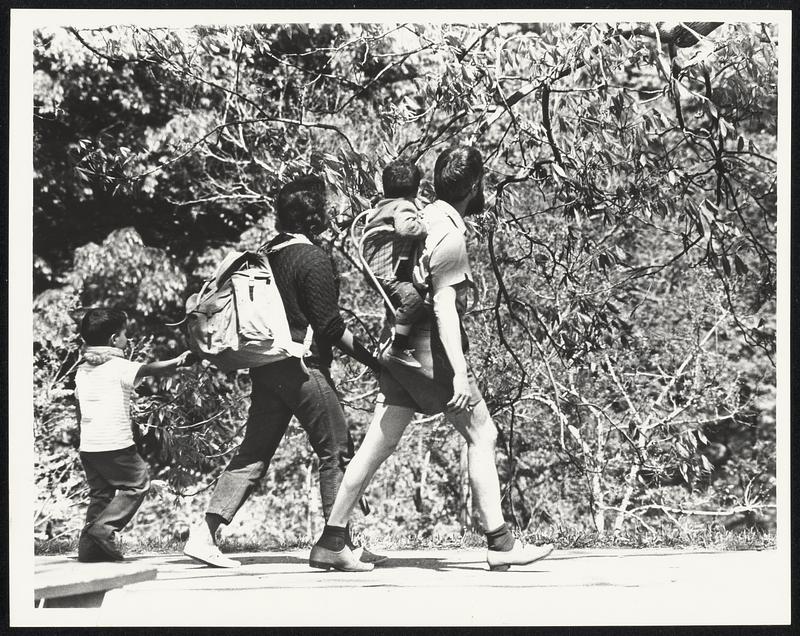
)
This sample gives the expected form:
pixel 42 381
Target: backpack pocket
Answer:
pixel 259 308
pixel 212 323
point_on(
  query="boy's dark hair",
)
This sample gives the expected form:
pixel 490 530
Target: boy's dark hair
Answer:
pixel 301 205
pixel 455 172
pixel 401 179
pixel 98 325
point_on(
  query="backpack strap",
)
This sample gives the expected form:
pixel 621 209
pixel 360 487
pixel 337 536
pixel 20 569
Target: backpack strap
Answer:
pixel 297 239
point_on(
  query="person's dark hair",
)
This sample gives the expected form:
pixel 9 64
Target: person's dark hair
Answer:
pixel 455 172
pixel 98 325
pixel 401 179
pixel 301 206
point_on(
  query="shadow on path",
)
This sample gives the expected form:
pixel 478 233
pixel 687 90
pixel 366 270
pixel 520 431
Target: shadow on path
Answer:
pixel 269 559
pixel 437 564
pixel 558 556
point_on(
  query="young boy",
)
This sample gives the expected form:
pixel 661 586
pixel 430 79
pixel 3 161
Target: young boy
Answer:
pixel 117 476
pixel 390 253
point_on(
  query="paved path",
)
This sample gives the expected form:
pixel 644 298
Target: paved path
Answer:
pixel 455 587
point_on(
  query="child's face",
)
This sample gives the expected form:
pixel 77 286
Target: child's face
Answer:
pixel 119 340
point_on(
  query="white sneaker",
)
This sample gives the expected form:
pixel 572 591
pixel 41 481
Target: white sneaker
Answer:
pixel 208 554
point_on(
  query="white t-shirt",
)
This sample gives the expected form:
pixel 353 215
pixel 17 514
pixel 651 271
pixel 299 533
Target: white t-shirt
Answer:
pixel 444 261
pixel 104 394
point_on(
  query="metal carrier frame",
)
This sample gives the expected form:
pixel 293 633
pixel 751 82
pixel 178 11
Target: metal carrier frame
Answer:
pixel 359 243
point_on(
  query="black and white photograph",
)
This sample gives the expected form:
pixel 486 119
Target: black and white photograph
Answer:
pixel 444 318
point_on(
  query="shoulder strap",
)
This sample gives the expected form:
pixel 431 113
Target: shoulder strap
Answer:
pixel 297 239
pixel 405 204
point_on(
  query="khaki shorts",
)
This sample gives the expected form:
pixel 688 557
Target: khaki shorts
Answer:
pixel 426 390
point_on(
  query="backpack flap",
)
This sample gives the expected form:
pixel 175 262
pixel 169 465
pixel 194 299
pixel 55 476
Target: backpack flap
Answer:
pixel 233 262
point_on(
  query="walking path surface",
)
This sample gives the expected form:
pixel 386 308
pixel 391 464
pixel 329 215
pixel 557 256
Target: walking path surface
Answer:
pixel 451 587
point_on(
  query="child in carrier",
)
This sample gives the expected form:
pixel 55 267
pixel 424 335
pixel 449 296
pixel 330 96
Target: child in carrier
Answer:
pixel 391 253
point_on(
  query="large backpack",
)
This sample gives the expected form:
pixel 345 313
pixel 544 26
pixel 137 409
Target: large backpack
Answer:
pixel 237 319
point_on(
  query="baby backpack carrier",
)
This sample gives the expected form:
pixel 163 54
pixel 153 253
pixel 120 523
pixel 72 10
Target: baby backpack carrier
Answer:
pixel 237 319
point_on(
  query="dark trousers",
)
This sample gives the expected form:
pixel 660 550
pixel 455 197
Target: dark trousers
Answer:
pixel 408 302
pixel 118 482
pixel 280 390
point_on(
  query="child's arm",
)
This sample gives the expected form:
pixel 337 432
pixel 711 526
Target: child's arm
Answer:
pixel 407 222
pixel 165 367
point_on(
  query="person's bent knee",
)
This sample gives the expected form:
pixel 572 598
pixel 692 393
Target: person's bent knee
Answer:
pixel 144 486
pixel 481 430
pixel 136 490
pixel 331 462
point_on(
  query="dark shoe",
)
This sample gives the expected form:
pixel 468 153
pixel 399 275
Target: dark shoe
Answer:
pixel 405 357
pixel 520 554
pixel 344 560
pixel 90 552
pixel 107 546
pixel 365 556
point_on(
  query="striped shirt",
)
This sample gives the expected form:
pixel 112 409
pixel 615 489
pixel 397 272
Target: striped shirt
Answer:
pixel 104 393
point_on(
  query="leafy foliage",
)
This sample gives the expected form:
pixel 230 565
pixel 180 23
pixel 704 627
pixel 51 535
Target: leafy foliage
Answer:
pixel 624 329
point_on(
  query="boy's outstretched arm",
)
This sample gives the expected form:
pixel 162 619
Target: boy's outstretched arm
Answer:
pixel 165 367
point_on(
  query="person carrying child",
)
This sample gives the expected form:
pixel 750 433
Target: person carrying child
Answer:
pixel 116 474
pixel 392 234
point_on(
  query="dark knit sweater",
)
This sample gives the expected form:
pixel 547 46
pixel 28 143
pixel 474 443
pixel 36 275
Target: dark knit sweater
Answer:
pixel 310 292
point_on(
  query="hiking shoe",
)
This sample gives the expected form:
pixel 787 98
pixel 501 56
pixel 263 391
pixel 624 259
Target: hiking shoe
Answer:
pixel 208 554
pixel 106 545
pixel 344 560
pixel 90 552
pixel 365 556
pixel 520 554
pixel 404 357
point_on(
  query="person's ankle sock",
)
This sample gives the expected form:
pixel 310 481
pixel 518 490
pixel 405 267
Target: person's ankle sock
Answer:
pixel 401 341
pixel 500 539
pixel 213 521
pixel 348 538
pixel 333 538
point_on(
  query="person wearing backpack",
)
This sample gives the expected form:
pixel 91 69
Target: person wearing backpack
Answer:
pixel 293 386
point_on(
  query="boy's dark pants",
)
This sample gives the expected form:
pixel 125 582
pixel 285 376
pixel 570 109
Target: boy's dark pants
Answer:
pixel 118 482
pixel 280 390
pixel 408 302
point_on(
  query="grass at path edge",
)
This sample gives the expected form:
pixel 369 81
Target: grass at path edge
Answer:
pixel 710 538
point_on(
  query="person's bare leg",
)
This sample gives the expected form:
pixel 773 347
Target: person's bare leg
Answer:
pixel 479 431
pixel 384 432
pixel 504 550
